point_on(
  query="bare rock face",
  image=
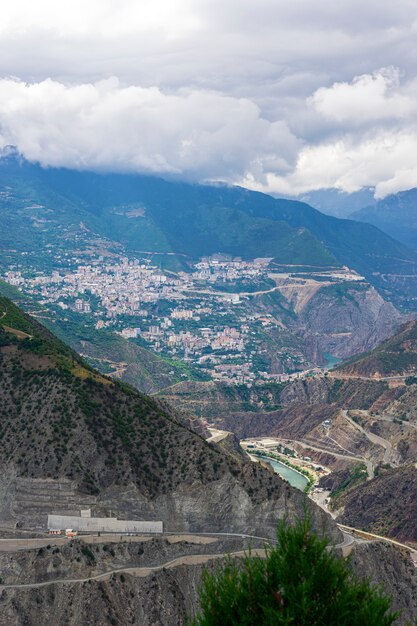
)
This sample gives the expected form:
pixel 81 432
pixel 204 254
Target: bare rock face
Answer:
pixel 393 570
pixel 146 594
pixel 164 598
pixel 313 391
pixel 352 321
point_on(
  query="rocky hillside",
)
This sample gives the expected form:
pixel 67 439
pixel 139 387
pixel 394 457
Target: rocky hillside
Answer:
pixel 386 505
pixel 395 357
pixel 71 438
pixel 370 426
pixel 385 565
pixel 347 319
pixel 164 596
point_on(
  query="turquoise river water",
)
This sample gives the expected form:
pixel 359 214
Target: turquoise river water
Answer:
pixel 294 478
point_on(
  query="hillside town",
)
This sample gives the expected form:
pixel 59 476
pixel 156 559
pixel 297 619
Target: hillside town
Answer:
pixel 204 317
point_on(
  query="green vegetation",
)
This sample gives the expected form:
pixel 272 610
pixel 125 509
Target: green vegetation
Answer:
pixel 344 292
pixel 355 475
pixel 102 349
pixel 243 285
pixel 213 399
pixel 146 370
pixel 300 582
pixel 89 554
pixel 45 207
pixel 17 327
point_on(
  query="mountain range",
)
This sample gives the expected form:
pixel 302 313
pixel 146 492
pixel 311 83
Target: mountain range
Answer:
pixel 396 215
pixel 45 207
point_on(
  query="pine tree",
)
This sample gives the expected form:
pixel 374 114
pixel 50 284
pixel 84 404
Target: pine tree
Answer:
pixel 301 582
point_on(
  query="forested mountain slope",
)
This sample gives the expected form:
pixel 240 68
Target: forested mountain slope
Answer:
pixel 154 215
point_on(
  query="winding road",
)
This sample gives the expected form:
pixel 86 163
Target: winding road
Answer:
pixel 191 559
pixel 384 443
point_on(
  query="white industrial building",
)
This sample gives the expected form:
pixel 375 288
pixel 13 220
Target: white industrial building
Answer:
pixel 88 524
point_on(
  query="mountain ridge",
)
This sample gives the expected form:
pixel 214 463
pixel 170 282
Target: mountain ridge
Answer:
pixel 395 214
pixel 155 215
pixel 397 356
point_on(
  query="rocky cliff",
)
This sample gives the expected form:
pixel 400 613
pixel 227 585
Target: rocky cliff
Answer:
pixel 348 319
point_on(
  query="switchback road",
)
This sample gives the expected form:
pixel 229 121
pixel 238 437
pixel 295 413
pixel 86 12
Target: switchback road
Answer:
pixel 384 443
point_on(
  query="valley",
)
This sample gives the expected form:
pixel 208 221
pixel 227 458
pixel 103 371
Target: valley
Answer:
pixel 227 334
pixel 208 313
pixel 300 354
pixel 108 478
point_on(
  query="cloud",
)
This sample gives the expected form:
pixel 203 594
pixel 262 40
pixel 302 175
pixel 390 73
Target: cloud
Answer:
pixel 236 47
pixel 368 98
pixel 105 126
pixel 386 161
pixel 366 136
pixel 283 96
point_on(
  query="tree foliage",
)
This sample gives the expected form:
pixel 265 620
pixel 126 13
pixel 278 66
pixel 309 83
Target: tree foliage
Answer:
pixel 300 582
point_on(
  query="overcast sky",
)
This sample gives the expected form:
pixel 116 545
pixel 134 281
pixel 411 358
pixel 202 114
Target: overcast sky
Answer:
pixel 286 96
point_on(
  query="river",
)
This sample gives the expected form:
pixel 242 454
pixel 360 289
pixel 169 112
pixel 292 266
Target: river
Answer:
pixel 295 479
pixel 331 360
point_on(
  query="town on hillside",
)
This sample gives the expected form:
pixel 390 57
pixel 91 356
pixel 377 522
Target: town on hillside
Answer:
pixel 206 317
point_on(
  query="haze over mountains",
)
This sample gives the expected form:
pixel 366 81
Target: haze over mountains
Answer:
pixel 396 215
pixel 338 203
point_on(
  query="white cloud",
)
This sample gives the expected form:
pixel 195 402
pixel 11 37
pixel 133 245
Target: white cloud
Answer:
pixel 386 161
pixel 110 19
pixel 368 98
pixel 366 136
pixel 106 126
pixel 283 95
